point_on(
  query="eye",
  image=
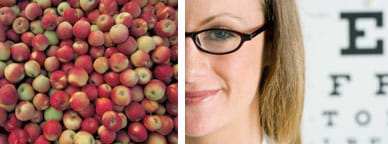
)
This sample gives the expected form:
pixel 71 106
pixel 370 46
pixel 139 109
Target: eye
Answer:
pixel 219 35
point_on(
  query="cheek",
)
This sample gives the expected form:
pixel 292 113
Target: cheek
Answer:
pixel 241 73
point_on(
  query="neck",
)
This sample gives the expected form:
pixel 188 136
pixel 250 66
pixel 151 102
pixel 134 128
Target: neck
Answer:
pixel 244 129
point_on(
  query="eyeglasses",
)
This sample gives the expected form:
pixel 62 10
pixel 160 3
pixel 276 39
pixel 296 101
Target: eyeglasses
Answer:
pixel 220 41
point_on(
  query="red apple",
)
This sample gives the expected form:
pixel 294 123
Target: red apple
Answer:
pixel 52 129
pixel 105 22
pixel 128 78
pixel 20 52
pixel 119 33
pixel 41 101
pixel 71 120
pixel 18 136
pixel 33 130
pixel 152 122
pixel 20 25
pixel 90 125
pixel 96 38
pixel 103 105
pixel 67 137
pixel 77 76
pixel 24 111
pixel 7 15
pixel 137 132
pixel 64 30
pixel 118 62
pixel 81 29
pixel 155 90
pixel 139 27
pixel 8 95
pixel 106 135
pixel 121 95
pixel 33 11
pixel 111 120
pixel 133 8
pixel 79 101
pixel 60 100
pixel 165 28
pixel 135 111
pixel 49 21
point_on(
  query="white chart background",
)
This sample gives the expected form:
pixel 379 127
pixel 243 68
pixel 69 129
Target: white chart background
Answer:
pixel 325 34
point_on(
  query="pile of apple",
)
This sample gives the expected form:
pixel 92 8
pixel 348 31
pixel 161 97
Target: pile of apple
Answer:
pixel 88 71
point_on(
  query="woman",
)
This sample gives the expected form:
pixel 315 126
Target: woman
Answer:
pixel 244 72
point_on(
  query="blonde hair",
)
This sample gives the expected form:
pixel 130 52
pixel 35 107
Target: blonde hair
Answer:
pixel 281 90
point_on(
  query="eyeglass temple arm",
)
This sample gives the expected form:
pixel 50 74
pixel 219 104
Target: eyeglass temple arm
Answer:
pixel 255 33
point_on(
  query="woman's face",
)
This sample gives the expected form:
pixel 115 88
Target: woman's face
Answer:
pixel 220 89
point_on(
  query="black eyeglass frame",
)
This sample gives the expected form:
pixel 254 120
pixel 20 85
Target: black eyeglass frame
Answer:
pixel 244 37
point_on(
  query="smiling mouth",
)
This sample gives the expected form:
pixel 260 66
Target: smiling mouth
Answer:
pixel 200 96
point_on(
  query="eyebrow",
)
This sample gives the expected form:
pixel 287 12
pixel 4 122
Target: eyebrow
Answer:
pixel 211 18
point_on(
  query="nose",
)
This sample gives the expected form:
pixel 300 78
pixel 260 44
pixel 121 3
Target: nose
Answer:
pixel 197 65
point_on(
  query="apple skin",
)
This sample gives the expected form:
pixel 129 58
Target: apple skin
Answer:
pixel 41 83
pixel 101 65
pixel 121 95
pixel 165 28
pixel 79 101
pixel 20 52
pixel 41 101
pixel 96 38
pixel 81 29
pixel 118 62
pixel 52 129
pixel 58 79
pixel 7 15
pixel 18 136
pixel 108 6
pixel 83 137
pixel 65 54
pixel 67 137
pixel 172 93
pixel 5 51
pixel 155 90
pixel 133 8
pixel 70 15
pixel 77 76
pixel 161 55
pixel 140 58
pixel 119 33
pixel 3 116
pixel 152 122
pixel 124 18
pixel 90 125
pixel 103 105
pixel 129 78
pixel 146 43
pixel 167 125
pixel 106 135
pixel 64 31
pixel 88 5
pixel 135 112
pixel 32 11
pixel 72 120
pixel 112 121
pixel 84 61
pixel 164 73
pixel 24 111
pixel 137 93
pixel 41 140
pixel 60 100
pixel 49 21
pixel 139 27
pixel 105 22
pixel 20 25
pixel 33 130
pixel 150 106
pixel 52 114
pixel 127 47
pixel 155 138
pixel 8 95
pixel 137 132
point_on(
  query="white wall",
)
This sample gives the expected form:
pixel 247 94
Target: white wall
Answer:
pixel 361 114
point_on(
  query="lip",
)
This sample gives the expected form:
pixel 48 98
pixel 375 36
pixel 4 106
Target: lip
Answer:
pixel 197 97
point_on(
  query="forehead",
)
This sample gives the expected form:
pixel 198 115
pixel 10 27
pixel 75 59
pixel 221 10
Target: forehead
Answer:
pixel 246 11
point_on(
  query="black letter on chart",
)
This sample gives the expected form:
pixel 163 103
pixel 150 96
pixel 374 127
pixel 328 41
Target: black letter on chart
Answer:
pixel 375 140
pixel 330 114
pixel 335 78
pixel 382 83
pixel 363 118
pixel 353 49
